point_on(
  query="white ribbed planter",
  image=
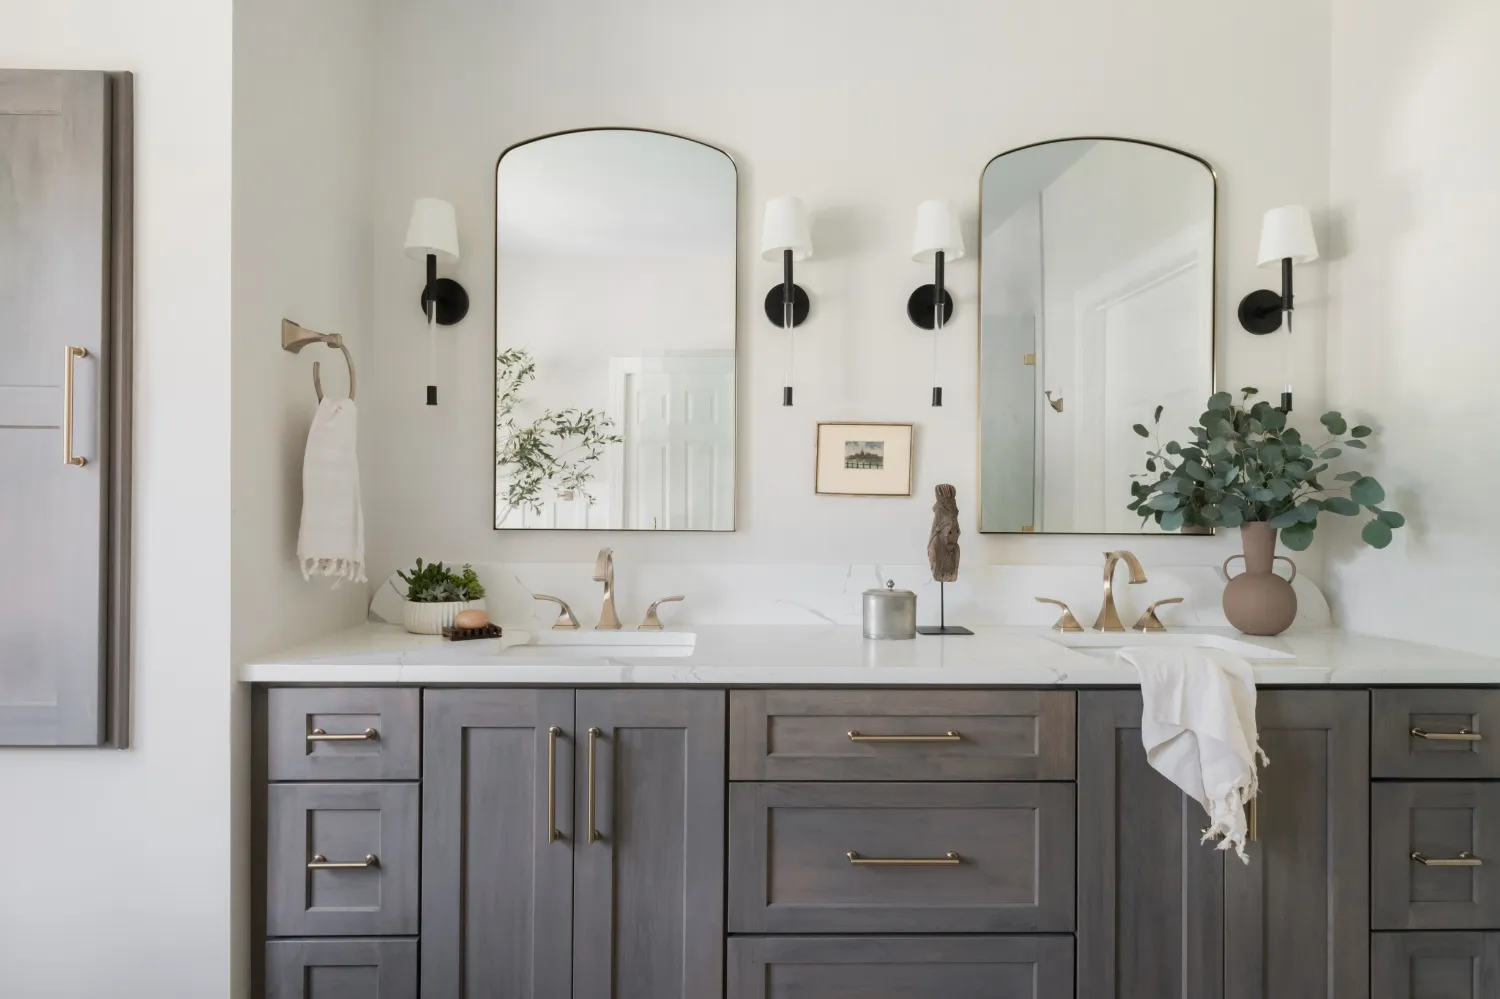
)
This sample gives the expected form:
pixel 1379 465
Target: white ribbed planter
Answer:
pixel 431 619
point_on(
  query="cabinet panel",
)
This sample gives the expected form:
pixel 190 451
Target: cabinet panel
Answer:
pixel 341 969
pixel 1436 965
pixel 1441 822
pixel 649 896
pixel 1437 716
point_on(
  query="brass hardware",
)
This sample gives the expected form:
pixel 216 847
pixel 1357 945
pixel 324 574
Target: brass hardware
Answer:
pixel 1028 528
pixel 1149 621
pixel 1464 859
pixel 594 834
pixel 1462 735
pixel 1056 404
pixel 1028 359
pixel 653 622
pixel 1109 618
pixel 69 458
pixel 322 863
pixel 553 833
pixel 294 338
pixel 318 735
pixel 1067 623
pixel 949 736
pixel 1254 836
pixel 565 619
pixel 604 572
pixel 949 859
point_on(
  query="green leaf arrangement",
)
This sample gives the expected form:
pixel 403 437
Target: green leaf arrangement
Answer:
pixel 435 583
pixel 1245 465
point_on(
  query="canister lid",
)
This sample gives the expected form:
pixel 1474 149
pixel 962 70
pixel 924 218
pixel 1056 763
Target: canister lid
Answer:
pixel 889 591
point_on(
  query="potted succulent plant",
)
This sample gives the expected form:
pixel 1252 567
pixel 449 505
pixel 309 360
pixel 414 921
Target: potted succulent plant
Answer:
pixel 435 595
pixel 1244 467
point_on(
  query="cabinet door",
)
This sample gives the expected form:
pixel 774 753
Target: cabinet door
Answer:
pixel 1436 965
pixel 341 969
pixel 1150 894
pixel 648 918
pixel 1297 917
pixel 497 885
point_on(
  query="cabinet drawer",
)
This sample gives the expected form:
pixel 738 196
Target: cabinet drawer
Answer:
pixel 901 735
pixel 926 858
pixel 909 967
pixel 344 734
pixel 370 831
pixel 341 969
pixel 1435 733
pixel 1444 824
pixel 1435 965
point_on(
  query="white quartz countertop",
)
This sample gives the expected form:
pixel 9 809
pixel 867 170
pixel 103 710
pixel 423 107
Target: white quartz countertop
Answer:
pixel 786 655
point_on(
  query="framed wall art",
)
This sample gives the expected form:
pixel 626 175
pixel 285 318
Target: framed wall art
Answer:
pixel 864 459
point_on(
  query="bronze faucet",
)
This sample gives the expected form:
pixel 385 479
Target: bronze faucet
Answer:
pixel 1109 618
pixel 604 572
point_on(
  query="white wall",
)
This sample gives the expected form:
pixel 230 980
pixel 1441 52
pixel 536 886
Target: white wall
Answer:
pixel 115 867
pixel 1413 350
pixel 836 102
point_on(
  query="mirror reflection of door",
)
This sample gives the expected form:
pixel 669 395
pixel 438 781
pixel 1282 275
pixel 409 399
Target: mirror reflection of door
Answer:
pixel 1097 266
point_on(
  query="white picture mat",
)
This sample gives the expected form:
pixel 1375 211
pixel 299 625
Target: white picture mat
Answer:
pixel 894 479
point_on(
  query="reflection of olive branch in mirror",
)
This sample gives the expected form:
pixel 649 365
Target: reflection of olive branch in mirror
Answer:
pixel 558 450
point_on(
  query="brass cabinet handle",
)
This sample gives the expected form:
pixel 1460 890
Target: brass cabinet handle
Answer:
pixel 553 833
pixel 1465 859
pixel 322 863
pixel 69 458
pixel 949 859
pixel 594 835
pixel 1254 835
pixel 945 737
pixel 318 735
pixel 1462 735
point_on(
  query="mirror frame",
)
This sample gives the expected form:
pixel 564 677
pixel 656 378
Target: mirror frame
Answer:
pixel 979 329
pixel 495 333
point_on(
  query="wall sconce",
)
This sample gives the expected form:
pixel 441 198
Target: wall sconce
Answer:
pixel 1286 235
pixel 938 239
pixel 785 233
pixel 433 234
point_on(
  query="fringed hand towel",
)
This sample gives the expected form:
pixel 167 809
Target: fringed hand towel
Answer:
pixel 331 541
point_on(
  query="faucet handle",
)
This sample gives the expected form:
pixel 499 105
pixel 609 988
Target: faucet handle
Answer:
pixel 565 619
pixel 1149 622
pixel 652 622
pixel 1067 622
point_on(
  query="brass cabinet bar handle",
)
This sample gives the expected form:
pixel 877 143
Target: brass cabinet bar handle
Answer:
pixel 945 737
pixel 949 859
pixel 1254 819
pixel 1462 735
pixel 1465 859
pixel 553 833
pixel 322 863
pixel 318 735
pixel 69 458
pixel 594 835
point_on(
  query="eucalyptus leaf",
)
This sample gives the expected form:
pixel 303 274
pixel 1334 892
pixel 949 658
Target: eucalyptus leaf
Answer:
pixel 1361 431
pixel 1172 520
pixel 1285 519
pixel 1232 516
pixel 1220 401
pixel 1298 537
pixel 1367 492
pixel 1349 476
pixel 1390 518
pixel 1141 431
pixel 1341 506
pixel 1330 452
pixel 1307 512
pixel 1356 444
pixel 1247 392
pixel 1159 411
pixel 1164 501
pixel 1377 534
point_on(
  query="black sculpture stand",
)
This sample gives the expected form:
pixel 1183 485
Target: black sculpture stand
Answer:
pixel 942 627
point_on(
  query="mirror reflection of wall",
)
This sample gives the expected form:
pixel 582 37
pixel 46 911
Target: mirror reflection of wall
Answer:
pixel 1097 286
pixel 615 333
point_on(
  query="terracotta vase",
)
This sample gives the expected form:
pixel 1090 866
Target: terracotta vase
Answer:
pixel 1257 601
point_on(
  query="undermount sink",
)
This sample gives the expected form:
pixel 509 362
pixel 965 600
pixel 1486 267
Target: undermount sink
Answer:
pixel 598 644
pixel 1104 644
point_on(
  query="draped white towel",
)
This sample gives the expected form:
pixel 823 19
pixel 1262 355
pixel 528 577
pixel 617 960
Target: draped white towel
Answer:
pixel 1198 727
pixel 331 541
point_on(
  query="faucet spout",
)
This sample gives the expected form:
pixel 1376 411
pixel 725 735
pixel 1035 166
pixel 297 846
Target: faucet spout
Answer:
pixel 604 572
pixel 1109 617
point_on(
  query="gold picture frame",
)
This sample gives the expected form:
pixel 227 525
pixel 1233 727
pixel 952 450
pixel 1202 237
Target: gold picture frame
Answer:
pixel 864 459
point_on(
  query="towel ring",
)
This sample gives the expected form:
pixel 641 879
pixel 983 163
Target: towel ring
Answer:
pixel 294 338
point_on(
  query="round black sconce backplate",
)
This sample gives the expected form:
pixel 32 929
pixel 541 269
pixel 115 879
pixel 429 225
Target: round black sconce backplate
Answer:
pixel 1260 312
pixel 800 305
pixel 452 302
pixel 919 306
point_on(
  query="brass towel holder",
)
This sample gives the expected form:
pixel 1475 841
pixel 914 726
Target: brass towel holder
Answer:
pixel 294 338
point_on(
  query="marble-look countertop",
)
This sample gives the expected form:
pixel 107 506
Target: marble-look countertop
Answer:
pixel 787 655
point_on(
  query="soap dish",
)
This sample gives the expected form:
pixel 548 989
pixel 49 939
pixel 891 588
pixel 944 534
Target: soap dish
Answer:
pixel 470 634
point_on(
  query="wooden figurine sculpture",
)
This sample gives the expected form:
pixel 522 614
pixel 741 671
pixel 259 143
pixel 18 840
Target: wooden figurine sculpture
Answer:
pixel 942 547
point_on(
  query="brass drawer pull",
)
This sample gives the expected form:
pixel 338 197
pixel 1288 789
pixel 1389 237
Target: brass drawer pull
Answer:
pixel 318 735
pixel 1462 735
pixel 322 863
pixel 945 737
pixel 1465 859
pixel 594 835
pixel 949 859
pixel 69 458
pixel 553 833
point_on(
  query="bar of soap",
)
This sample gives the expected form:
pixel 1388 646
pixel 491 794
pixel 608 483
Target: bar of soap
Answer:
pixel 471 619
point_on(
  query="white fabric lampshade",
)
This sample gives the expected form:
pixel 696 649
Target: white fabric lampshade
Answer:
pixel 433 229
pixel 937 229
pixel 785 228
pixel 1288 232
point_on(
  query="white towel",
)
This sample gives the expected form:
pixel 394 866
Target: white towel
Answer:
pixel 1198 726
pixel 331 541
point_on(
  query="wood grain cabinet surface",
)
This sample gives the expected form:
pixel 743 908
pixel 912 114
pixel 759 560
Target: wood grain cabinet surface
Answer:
pixel 1455 828
pixel 1436 966
pixel 1442 734
pixel 341 969
pixel 344 733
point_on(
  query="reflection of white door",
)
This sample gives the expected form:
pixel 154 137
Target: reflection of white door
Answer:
pixel 675 470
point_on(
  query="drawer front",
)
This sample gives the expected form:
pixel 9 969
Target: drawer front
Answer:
pixel 1455 828
pixel 341 969
pixel 1452 734
pixel 344 734
pixel 927 858
pixel 901 735
pixel 371 830
pixel 1435 966
pixel 909 967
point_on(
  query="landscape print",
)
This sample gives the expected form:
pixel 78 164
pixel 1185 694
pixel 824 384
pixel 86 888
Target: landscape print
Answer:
pixel 864 454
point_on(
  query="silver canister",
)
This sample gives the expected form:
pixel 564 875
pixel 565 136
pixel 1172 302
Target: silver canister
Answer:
pixel 890 613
